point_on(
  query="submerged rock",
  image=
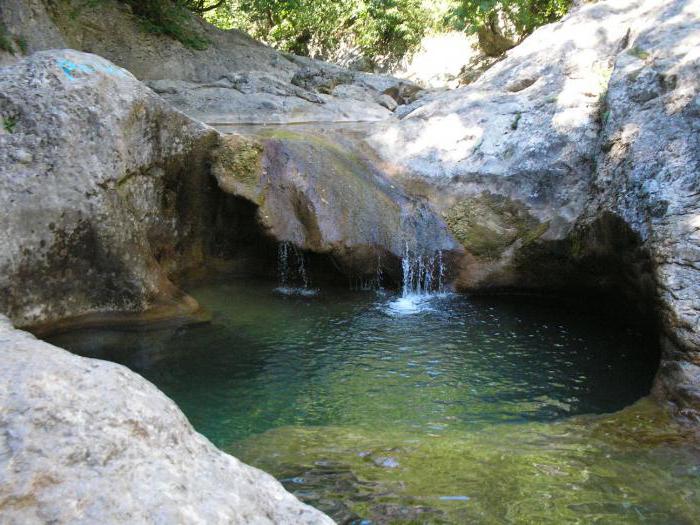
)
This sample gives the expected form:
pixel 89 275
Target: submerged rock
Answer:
pixel 87 441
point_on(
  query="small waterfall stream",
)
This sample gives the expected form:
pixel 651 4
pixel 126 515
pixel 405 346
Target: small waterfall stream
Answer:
pixel 422 274
pixel 293 279
pixel 423 278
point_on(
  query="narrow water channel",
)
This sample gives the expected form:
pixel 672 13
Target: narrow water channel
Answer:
pixel 455 410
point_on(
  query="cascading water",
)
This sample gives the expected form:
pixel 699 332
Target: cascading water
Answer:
pixel 369 284
pixel 423 279
pixel 292 280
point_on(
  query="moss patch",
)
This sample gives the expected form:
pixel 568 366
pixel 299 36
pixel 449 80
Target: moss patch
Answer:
pixel 488 224
pixel 236 163
pixel 6 40
pixel 346 183
pixel 639 53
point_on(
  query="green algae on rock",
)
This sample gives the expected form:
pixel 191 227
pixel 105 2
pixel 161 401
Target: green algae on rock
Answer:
pixel 487 224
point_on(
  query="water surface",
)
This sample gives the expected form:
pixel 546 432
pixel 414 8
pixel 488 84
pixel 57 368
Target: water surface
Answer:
pixel 446 410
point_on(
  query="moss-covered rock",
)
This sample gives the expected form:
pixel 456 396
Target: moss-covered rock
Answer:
pixel 322 194
pixel 236 164
pixel 487 224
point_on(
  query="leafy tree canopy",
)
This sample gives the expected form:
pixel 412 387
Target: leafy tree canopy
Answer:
pixel 383 31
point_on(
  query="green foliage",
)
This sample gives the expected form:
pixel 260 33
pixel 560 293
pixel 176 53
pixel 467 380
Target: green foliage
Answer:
pixel 5 39
pixel 22 44
pixel 523 15
pixel 169 17
pixel 383 30
pixel 9 124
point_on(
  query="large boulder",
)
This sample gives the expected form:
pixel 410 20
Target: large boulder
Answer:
pixel 315 190
pixel 100 191
pixel 572 164
pixel 527 130
pixel 87 441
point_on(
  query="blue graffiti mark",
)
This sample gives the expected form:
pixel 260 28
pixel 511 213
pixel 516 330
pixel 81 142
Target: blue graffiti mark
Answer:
pixel 86 68
pixel 70 68
pixel 112 70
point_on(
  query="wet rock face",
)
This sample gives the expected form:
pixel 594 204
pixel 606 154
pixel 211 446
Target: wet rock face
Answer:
pixel 323 196
pixel 87 441
pixel 96 209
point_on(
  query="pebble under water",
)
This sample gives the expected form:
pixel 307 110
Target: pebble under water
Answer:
pixel 443 409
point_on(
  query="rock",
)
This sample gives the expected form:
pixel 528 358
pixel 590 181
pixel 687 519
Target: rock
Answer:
pixel 87 441
pixel 95 215
pixel 386 462
pixel 527 130
pixel 572 164
pixel 234 80
pixel 388 102
pixel 648 174
pixel 319 193
pixel 475 67
pixel 321 79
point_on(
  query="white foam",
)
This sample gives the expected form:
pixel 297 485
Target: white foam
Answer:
pixel 288 290
pixel 409 304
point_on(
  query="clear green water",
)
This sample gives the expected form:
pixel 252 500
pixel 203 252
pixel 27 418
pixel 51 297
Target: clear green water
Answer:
pixel 465 411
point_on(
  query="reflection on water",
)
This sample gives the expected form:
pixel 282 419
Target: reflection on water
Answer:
pixel 459 412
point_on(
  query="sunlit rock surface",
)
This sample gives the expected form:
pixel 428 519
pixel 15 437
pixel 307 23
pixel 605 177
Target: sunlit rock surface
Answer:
pixel 648 173
pixel 87 441
pixel 574 163
pixel 235 79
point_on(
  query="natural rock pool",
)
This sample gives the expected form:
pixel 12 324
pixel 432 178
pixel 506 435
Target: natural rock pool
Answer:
pixel 455 410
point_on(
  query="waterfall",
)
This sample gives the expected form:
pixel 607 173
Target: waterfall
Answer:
pixel 423 279
pixel 283 264
pixel 422 274
pixel 293 279
pixel 369 284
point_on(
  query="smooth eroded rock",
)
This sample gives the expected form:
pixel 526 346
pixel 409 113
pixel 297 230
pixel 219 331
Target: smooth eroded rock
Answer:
pixel 86 441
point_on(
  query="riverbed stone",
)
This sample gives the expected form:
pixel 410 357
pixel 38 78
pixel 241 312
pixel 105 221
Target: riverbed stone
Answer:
pixel 88 441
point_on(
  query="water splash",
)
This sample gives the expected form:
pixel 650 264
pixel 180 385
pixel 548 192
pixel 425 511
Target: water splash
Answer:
pixel 423 280
pixel 292 279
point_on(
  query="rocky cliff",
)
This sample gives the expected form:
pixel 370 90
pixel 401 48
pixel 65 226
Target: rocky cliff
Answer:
pixel 235 79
